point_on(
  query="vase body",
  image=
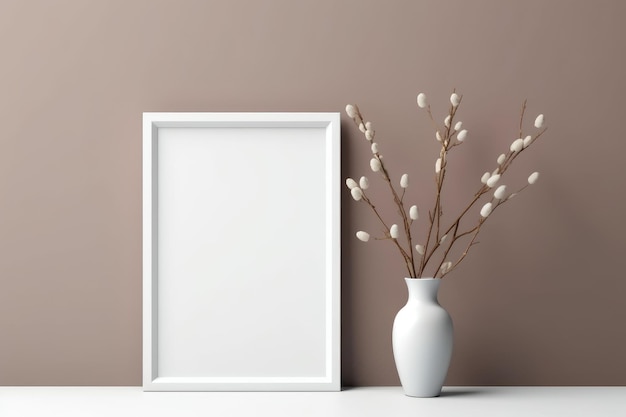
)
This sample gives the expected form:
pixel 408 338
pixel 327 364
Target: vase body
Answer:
pixel 422 340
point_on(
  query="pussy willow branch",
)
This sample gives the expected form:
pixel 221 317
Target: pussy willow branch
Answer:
pixel 521 119
pixel 407 255
pixel 472 242
pixel 510 157
pixel 434 217
pixel 401 209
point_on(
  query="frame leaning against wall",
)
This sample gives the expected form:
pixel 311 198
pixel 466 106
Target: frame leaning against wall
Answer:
pixel 241 252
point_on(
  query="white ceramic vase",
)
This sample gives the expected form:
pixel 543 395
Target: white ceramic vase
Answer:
pixel 422 340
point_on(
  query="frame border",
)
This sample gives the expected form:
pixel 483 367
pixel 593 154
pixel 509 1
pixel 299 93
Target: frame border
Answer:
pixel 152 122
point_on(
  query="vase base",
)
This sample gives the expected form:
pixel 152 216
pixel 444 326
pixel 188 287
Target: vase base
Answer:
pixel 423 395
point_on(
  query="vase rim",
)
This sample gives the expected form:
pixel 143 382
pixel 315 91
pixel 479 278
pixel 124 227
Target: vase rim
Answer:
pixel 423 279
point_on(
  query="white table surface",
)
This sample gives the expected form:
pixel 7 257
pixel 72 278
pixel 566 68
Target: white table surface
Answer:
pixel 362 402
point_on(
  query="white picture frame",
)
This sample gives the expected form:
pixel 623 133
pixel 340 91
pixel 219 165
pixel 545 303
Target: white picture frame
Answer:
pixel 241 252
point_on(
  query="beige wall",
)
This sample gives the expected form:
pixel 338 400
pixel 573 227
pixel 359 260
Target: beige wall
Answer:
pixel 539 302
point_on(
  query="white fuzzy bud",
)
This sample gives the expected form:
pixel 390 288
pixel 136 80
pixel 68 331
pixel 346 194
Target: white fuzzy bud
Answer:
pixel 493 180
pixel 443 239
pixel 362 236
pixel 369 135
pixel 539 121
pixel 486 210
pixel 420 249
pixel 446 267
pixel 404 181
pixel 501 159
pixel 393 231
pixel 500 191
pixel 351 183
pixel 357 193
pixel 362 127
pixel 364 183
pixel 368 126
pixel 374 147
pixel 517 145
pixel 351 111
pixel 455 99
pixel 421 100
pixel 458 126
pixel 414 213
pixel 446 121
pixel 527 141
pixel 375 164
pixel 485 177
pixel 438 165
pixel 461 135
pixel 438 136
pixel 533 178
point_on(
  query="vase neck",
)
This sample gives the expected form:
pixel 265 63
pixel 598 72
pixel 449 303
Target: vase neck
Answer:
pixel 423 289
